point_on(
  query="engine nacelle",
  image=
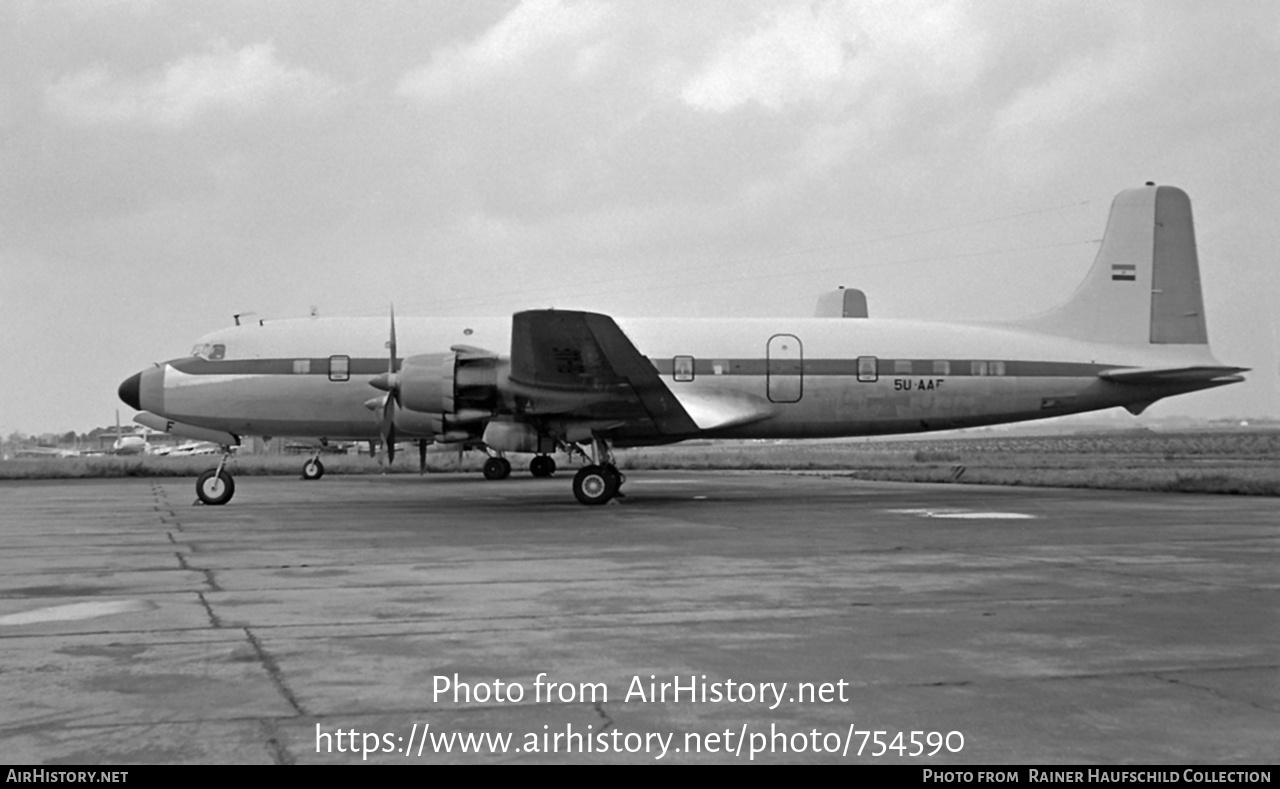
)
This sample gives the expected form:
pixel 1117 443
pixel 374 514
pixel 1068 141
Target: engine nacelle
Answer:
pixel 516 437
pixel 449 383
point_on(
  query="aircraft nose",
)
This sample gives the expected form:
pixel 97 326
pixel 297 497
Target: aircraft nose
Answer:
pixel 131 391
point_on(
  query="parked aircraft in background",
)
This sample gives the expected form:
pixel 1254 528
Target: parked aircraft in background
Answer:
pixel 187 449
pixel 46 452
pixel 585 383
pixel 134 444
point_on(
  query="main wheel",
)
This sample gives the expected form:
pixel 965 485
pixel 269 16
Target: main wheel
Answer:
pixel 313 469
pixel 497 468
pixel 215 487
pixel 594 485
pixel 542 466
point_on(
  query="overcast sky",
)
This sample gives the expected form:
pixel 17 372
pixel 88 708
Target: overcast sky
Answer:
pixel 165 165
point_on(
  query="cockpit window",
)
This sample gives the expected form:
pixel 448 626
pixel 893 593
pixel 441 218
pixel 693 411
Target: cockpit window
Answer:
pixel 211 351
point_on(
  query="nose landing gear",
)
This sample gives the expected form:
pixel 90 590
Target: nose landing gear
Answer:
pixel 215 486
pixel 313 469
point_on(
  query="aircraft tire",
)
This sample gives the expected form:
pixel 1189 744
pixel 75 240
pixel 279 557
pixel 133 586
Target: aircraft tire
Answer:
pixel 542 466
pixel 312 469
pixel 214 487
pixel 618 477
pixel 594 485
pixel 497 468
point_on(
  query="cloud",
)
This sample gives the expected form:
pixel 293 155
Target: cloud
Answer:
pixel 244 81
pixel 796 55
pixel 531 29
pixel 800 54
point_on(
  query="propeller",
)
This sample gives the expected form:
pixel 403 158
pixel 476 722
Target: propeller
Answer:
pixel 387 382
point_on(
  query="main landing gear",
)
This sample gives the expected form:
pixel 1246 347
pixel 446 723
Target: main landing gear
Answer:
pixel 542 466
pixel 497 467
pixel 599 481
pixel 215 486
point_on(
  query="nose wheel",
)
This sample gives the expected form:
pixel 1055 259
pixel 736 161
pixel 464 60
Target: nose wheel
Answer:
pixel 313 469
pixel 215 486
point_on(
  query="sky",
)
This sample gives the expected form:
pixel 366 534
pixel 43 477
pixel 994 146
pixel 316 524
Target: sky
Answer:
pixel 165 165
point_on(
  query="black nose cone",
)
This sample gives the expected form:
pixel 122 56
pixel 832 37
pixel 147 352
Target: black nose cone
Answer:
pixel 129 391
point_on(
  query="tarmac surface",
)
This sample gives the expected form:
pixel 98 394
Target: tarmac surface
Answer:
pixel 1002 625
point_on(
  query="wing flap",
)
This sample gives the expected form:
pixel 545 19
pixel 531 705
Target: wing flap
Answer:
pixel 712 409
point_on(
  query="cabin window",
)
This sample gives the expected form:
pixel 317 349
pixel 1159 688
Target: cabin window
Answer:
pixel 902 367
pixel 682 368
pixel 997 368
pixel 301 366
pixel 720 367
pixel 941 367
pixel 978 368
pixel 867 370
pixel 339 368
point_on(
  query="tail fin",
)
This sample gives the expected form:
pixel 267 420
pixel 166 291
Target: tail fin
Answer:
pixel 1144 287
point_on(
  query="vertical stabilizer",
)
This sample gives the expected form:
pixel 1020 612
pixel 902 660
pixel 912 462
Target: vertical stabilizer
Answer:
pixel 1144 287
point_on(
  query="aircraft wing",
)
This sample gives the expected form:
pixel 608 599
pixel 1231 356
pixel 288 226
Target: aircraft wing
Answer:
pixel 1173 375
pixel 580 364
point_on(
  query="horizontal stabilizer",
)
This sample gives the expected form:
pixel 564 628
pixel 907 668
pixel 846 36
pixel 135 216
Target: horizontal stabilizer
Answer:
pixel 842 303
pixel 1173 375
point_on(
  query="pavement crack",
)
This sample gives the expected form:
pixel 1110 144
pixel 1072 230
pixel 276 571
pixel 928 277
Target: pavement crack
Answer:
pixel 1212 691
pixel 604 716
pixel 275 746
pixel 208 609
pixel 273 671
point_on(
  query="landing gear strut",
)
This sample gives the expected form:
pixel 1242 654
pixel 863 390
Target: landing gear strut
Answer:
pixel 216 486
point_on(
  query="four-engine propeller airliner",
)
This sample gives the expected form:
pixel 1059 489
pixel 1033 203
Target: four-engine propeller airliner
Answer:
pixel 585 383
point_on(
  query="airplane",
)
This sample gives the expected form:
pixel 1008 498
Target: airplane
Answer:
pixel 46 452
pixel 128 445
pixel 586 383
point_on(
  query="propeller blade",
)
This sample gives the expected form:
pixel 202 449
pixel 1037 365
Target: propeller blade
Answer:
pixel 389 429
pixel 387 383
pixel 391 362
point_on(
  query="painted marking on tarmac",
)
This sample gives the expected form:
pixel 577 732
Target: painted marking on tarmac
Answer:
pixel 76 611
pixel 965 514
pixel 664 481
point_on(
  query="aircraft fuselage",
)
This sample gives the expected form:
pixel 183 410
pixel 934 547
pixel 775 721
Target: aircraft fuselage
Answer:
pixel 803 378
